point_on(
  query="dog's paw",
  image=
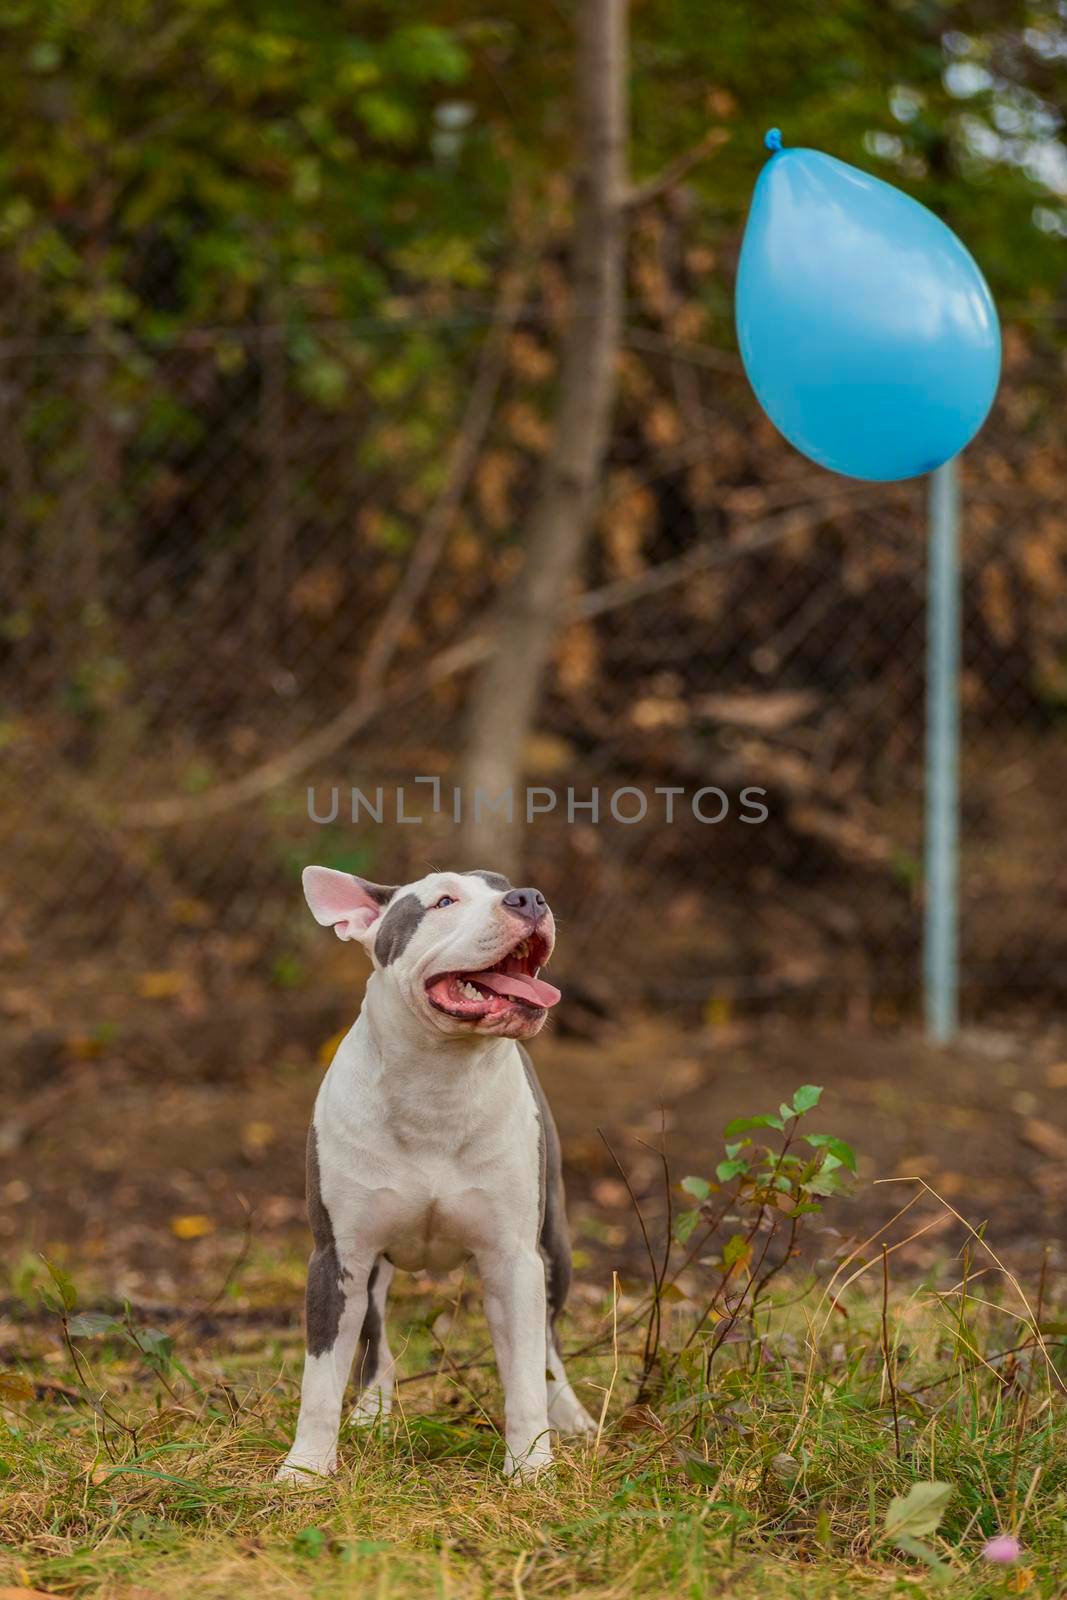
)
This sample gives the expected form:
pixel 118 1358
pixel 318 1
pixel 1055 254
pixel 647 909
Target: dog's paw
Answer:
pixel 525 1465
pixel 373 1406
pixel 571 1418
pixel 297 1470
pixel 567 1415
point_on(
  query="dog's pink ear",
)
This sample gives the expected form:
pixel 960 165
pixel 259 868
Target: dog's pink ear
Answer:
pixel 348 904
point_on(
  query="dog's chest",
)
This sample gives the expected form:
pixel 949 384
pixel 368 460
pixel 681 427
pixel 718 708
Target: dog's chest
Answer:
pixel 428 1205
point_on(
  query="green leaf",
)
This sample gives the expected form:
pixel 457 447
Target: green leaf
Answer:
pixel 153 1343
pixel 823 1183
pixel 918 1512
pixel 426 53
pixel 68 1295
pixel 91 1324
pixel 311 1541
pixel 806 1098
pixel 699 1188
pixel 734 1250
pixel 684 1223
pixel 940 1571
pixel 836 1147
pixel 730 1169
pixel 705 1473
pixel 743 1124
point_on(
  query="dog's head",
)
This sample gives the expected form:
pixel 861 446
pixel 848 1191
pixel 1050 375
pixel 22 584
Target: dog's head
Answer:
pixel 463 949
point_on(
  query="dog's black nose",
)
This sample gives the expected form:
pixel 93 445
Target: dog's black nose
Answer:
pixel 529 903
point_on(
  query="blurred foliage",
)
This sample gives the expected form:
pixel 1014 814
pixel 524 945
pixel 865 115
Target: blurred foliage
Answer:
pixel 959 104
pixel 167 162
pixel 208 149
pixel 247 259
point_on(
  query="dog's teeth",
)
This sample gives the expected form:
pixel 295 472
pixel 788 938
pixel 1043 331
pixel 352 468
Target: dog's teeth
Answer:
pixel 470 991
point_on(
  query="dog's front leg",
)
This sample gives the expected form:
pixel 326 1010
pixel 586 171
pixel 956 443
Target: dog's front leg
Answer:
pixel 336 1306
pixel 514 1283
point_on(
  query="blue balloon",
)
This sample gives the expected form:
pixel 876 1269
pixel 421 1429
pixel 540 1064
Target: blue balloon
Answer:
pixel 865 326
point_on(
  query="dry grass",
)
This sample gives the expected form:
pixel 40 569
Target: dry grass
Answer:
pixel 773 1481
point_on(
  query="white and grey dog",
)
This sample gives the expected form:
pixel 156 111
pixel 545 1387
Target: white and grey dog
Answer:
pixel 431 1141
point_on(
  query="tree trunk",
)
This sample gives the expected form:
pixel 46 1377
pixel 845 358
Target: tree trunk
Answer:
pixel 505 691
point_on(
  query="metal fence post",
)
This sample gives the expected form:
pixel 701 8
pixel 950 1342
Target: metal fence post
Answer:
pixel 941 912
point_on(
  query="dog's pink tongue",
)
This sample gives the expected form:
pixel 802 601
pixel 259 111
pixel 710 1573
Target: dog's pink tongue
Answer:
pixel 534 990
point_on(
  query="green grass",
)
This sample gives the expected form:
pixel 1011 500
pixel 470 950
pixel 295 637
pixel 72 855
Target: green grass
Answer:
pixel 772 1480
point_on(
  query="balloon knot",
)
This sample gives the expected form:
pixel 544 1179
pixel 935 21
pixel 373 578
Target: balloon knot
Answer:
pixel 773 139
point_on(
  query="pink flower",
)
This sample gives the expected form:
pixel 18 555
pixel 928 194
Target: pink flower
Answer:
pixel 1004 1549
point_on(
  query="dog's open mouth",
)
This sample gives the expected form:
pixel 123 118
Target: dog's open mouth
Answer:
pixel 511 982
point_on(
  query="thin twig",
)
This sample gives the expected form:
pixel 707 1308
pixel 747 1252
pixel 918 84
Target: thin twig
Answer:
pixel 652 1332
pixel 615 1367
pixel 1020 1427
pixel 670 176
pixel 730 1322
pixel 980 1239
pixel 456 658
pixel 462 462
pixel 887 1354
pixel 84 1376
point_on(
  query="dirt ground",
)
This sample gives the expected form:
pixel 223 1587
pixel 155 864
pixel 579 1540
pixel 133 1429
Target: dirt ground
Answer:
pixel 146 1167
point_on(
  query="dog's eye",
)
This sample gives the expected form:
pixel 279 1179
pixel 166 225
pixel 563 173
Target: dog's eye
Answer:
pixel 445 900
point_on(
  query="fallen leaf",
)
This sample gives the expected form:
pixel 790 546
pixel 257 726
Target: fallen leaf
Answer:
pixel 640 1419
pixel 1043 1137
pixel 256 1136
pixel 718 1011
pixel 194 1227
pixel 83 1047
pixel 766 713
pixel 160 985
pixel 190 913
pixel 13 1386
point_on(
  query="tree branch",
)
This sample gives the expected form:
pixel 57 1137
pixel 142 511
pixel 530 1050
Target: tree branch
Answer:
pixel 464 457
pixel 459 657
pixel 670 176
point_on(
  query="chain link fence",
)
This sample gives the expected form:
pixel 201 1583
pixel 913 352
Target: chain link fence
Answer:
pixel 200 542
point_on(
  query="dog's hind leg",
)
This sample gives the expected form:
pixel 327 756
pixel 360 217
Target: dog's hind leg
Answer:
pixel 375 1366
pixel 565 1411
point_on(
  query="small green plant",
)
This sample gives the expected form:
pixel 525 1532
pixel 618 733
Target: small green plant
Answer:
pixel 153 1346
pixel 747 1220
pixel 790 1473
